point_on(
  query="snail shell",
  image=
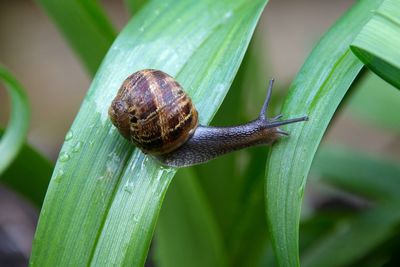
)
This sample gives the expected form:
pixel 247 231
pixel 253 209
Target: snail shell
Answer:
pixel 152 111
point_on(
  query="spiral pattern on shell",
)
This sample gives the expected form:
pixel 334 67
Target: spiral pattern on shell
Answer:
pixel 152 111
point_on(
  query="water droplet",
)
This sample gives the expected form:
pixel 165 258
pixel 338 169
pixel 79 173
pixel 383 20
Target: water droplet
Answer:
pixel 141 29
pixel 77 147
pixel 166 169
pixel 228 14
pixel 69 135
pixel 128 187
pixel 64 157
pixel 157 12
pixel 160 173
pixel 59 176
pixel 112 164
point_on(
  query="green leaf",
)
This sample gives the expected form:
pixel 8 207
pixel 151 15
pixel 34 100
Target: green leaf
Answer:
pixel 225 172
pixel 352 238
pixel 29 174
pixel 85 26
pixel 15 135
pixel 377 107
pixel 242 195
pixel 135 5
pixel 359 173
pixel 248 224
pixel 186 228
pixel 317 91
pixel 377 44
pixel 104 197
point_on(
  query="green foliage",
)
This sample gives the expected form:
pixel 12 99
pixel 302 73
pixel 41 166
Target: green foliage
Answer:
pixel 352 237
pixel 103 202
pixel 317 91
pixel 28 174
pixel 229 211
pixel 377 45
pixel 15 134
pixel 21 167
pixel 376 102
pixel 85 26
pixel 135 5
pixel 119 191
pixel 186 218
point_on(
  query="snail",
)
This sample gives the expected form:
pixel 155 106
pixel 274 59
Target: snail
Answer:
pixel 152 111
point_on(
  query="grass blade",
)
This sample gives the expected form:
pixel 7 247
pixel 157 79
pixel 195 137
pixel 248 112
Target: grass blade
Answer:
pixel 358 173
pixel 242 239
pixel 317 91
pixel 85 26
pixel 104 197
pixel 15 134
pixel 349 239
pixel 186 218
pixel 382 57
pixel 29 174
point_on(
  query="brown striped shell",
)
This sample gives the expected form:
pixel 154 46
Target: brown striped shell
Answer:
pixel 152 111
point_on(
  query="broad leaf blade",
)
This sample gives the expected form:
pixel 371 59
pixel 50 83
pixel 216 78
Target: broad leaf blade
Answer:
pixel 15 134
pixel 377 45
pixel 85 26
pixel 317 91
pixel 103 200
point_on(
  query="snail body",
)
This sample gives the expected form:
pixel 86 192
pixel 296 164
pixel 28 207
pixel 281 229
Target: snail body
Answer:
pixel 152 111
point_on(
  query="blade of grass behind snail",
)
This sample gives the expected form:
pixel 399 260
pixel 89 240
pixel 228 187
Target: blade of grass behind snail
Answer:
pixel 17 128
pixel 317 91
pixel 103 201
pixel 187 228
pixel 85 26
pixel 243 191
pixel 203 228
